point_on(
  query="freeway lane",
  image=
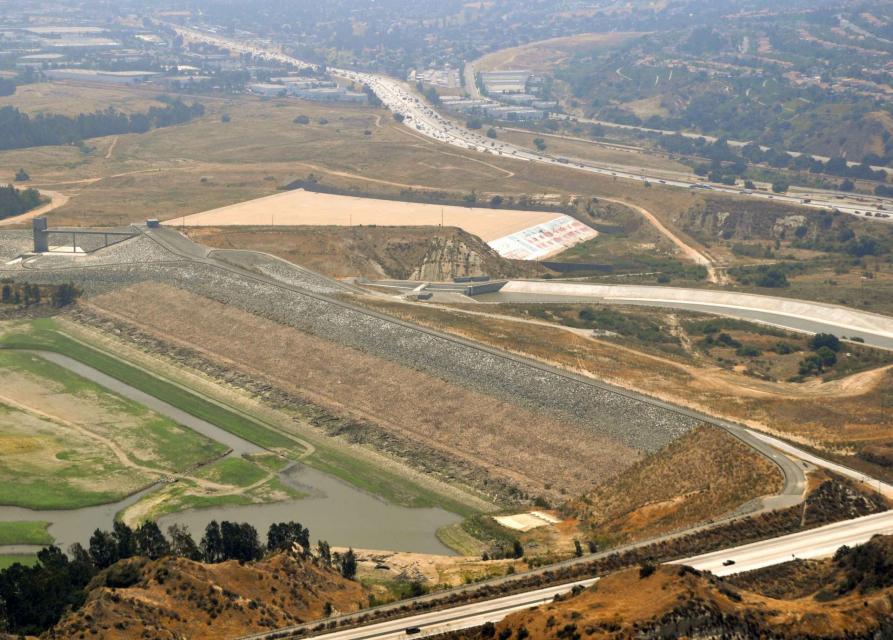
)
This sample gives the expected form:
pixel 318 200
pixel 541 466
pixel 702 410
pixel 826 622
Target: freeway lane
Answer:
pixel 816 543
pixel 805 545
pixel 425 120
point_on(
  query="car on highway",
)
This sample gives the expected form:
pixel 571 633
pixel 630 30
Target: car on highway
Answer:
pixel 411 631
pixel 728 563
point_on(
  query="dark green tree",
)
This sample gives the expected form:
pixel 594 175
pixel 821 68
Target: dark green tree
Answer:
pixel 150 542
pixel 182 543
pixel 212 543
pixel 103 549
pixel 349 565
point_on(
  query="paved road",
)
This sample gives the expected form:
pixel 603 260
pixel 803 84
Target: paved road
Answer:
pixel 816 543
pixel 789 313
pixel 425 120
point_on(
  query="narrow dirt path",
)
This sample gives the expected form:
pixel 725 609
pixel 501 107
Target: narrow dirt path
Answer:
pixel 108 155
pixel 56 200
pixel 714 274
pixel 120 454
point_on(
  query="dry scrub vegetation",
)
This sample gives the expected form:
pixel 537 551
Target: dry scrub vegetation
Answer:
pixel 677 601
pixel 840 416
pixel 178 598
pixel 703 474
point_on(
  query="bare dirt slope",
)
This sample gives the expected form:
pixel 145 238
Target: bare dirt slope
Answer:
pixel 703 474
pixel 529 449
pixel 177 598
pixel 418 253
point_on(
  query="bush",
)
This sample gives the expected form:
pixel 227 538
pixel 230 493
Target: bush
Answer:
pixel 302 120
pixel 22 176
pixel 780 186
pixel 783 348
pixel 773 278
pixel 748 351
pixel 828 340
pixel 646 569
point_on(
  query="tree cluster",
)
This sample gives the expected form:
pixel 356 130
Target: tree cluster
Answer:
pixel 19 130
pixel 17 201
pixel 34 598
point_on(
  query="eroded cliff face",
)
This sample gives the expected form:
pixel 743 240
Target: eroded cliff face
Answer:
pixel 448 258
pixel 724 220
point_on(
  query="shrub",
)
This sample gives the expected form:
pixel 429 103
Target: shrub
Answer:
pixel 820 340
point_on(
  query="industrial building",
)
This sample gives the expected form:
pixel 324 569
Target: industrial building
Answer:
pixel 105 77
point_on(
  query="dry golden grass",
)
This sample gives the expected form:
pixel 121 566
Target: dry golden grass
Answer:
pixel 176 171
pixel 704 474
pixel 526 448
pixel 851 412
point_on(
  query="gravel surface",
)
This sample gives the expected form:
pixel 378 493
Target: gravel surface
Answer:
pixel 635 423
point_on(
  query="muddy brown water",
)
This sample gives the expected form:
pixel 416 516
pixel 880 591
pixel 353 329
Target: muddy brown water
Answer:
pixel 332 509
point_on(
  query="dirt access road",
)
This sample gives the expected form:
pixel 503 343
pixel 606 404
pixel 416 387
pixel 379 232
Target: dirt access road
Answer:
pixel 714 274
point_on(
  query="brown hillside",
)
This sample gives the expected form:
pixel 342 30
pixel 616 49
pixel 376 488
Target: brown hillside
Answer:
pixel 704 474
pixel 418 253
pixel 678 602
pixel 175 598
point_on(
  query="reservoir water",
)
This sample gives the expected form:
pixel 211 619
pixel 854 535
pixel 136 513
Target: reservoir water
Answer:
pixel 333 510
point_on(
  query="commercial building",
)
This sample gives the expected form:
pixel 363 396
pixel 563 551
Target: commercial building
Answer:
pixel 105 77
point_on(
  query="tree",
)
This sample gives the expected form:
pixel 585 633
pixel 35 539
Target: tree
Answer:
pixel 103 549
pixel 846 185
pixel 212 543
pixel 64 295
pixel 225 118
pixel 540 144
pixel 240 542
pixel 827 356
pixel 517 549
pixel 578 548
pixel 281 536
pixel 182 543
pixel 399 117
pixel 324 551
pixel 780 185
pixel 22 176
pixel 496 202
pixel 828 340
pixel 491 133
pixel 748 184
pixel 474 123
pixel 349 565
pixel 150 542
pixel 124 539
pixel 302 120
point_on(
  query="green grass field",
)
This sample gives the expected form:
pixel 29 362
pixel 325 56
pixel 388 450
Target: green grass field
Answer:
pixel 7 561
pixel 66 442
pixel 393 487
pixel 25 532
pixel 43 335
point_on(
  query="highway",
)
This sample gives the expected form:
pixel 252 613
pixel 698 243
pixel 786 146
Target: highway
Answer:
pixel 816 543
pixel 427 121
